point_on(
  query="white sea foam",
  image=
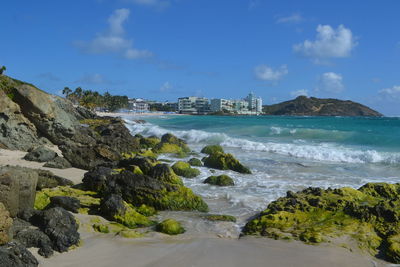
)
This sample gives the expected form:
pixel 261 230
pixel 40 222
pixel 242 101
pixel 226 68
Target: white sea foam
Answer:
pixel 299 148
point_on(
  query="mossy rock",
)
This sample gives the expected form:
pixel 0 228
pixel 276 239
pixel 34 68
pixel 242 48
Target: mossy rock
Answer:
pixel 170 227
pixel 224 161
pixel 168 148
pixel 220 217
pixel 184 169
pixel 130 234
pixel 171 144
pixel 370 216
pixel 211 149
pixel 132 219
pixel 146 210
pixel 87 199
pixel 195 162
pixel 149 142
pixel 101 228
pixel 221 180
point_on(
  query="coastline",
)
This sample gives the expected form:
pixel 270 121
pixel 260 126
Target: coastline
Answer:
pixel 133 114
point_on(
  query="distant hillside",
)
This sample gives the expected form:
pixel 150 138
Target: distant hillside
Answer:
pixel 304 106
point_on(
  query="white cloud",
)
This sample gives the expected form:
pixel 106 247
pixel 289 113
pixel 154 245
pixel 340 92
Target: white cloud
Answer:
pixel 160 4
pixel 391 94
pixel 113 40
pixel 329 43
pixel 330 82
pixel 166 87
pixel 295 18
pixel 301 92
pixel 266 73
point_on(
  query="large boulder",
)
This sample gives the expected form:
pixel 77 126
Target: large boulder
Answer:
pixel 40 154
pixel 47 179
pixel 17 188
pixel 5 225
pixel 222 161
pixel 171 144
pixel 68 203
pixel 31 237
pixel 16 131
pixel 221 180
pixel 14 254
pixel 59 225
pixel 195 162
pixel 58 163
pixel 184 169
pixel 211 149
pixel 170 227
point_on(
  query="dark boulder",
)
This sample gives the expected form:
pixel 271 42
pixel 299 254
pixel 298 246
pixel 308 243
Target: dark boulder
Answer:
pixel 69 203
pixel 112 205
pixel 211 149
pixel 97 178
pixel 144 163
pixel 195 162
pixel 35 238
pixel 60 226
pixel 47 179
pixel 58 163
pixel 221 180
pixel 222 161
pixel 40 154
pixel 14 254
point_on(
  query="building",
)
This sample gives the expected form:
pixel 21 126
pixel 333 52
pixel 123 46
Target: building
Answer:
pixel 138 105
pixel 193 105
pixel 255 103
pixel 250 105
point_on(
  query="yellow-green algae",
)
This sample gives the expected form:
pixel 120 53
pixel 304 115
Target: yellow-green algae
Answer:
pixel 222 161
pixel 369 215
pixel 170 227
pixel 131 218
pixel 220 217
pixel 87 198
pixel 184 169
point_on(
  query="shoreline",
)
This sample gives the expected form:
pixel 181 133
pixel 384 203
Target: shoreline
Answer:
pixel 134 114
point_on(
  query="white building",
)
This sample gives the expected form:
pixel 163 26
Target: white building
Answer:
pixel 193 105
pixel 255 103
pixel 138 105
pixel 250 105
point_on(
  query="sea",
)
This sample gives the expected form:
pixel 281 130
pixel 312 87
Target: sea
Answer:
pixel 284 153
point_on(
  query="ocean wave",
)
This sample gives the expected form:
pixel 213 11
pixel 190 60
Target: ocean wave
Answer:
pixel 300 148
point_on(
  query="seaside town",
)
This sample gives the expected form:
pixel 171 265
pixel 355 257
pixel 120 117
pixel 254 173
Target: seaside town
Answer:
pixel 250 105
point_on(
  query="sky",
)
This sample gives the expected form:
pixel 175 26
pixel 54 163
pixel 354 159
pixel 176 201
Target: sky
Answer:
pixel 165 49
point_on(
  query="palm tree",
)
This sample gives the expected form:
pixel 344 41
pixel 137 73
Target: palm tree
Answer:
pixel 66 91
pixel 2 69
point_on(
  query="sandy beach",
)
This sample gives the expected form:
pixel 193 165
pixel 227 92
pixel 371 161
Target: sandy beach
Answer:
pixel 197 250
pixel 134 114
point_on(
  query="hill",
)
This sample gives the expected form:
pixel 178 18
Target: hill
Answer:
pixel 312 106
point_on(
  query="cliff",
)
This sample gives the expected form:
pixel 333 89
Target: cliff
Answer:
pixel 304 106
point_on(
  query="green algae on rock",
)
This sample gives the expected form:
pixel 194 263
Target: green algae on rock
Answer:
pixel 222 161
pixel 221 180
pixel 220 217
pixel 170 227
pixel 195 162
pixel 171 144
pixel 184 169
pixel 211 149
pixel 369 215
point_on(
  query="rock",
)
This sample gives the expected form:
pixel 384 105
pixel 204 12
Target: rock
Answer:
pixel 183 169
pixel 171 144
pixel 195 162
pixel 312 106
pixel 114 208
pixel 170 227
pixel 47 179
pixel 16 131
pixel 368 216
pixel 68 203
pixel 149 142
pixel 164 173
pixel 35 238
pixel 221 180
pixel 5 225
pixel 60 226
pixel 224 161
pixel 17 188
pixel 13 254
pixel 160 192
pixel 144 163
pixel 40 154
pixel 221 218
pixel 58 163
pixel 211 149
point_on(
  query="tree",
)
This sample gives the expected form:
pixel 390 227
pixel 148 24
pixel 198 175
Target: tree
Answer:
pixel 2 69
pixel 66 91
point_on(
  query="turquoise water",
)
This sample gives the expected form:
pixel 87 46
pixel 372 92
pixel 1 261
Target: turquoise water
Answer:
pixel 286 153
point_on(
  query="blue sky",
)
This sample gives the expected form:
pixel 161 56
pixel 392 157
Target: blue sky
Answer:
pixel 164 49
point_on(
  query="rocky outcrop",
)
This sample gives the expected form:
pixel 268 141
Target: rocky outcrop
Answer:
pixel 195 162
pixel 58 163
pixel 17 188
pixel 68 203
pixel 40 154
pixel 222 161
pixel 5 225
pixel 184 169
pixel 31 237
pixel 370 216
pixel 46 179
pixel 211 149
pixel 304 106
pixel 14 254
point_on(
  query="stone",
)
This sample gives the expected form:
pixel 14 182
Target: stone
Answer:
pixel 5 225
pixel 14 254
pixel 35 238
pixel 182 168
pixel 224 161
pixel 60 226
pixel 195 162
pixel 97 178
pixel 211 149
pixel 17 188
pixel 164 173
pixel 171 144
pixel 220 218
pixel 144 163
pixel 221 180
pixel 68 203
pixel 170 227
pixel 40 154
pixel 47 179
pixel 58 163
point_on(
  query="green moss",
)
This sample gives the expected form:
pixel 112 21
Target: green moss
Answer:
pixel 195 162
pixel 149 142
pixel 101 228
pixel 87 199
pixel 93 123
pixel 130 234
pixel 224 161
pixel 146 210
pixel 211 149
pixel 221 180
pixel 184 169
pixel 170 227
pixel 370 216
pixel 182 199
pixel 132 219
pixel 218 217
pixel 168 148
